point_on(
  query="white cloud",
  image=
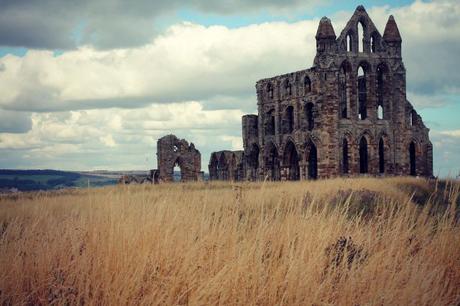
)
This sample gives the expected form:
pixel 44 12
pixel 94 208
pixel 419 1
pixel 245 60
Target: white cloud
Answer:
pixel 237 142
pixel 106 108
pixel 114 137
pixel 193 62
pixel 108 141
pixel 188 62
pixel 453 133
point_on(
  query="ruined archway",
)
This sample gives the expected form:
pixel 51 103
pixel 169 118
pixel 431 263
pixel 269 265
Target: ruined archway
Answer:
pixel 291 162
pixel 272 162
pixel 363 156
pixel 213 166
pixel 172 151
pixel 312 160
pixel 177 170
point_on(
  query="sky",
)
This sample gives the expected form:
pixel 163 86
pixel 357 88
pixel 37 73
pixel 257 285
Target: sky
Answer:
pixel 90 85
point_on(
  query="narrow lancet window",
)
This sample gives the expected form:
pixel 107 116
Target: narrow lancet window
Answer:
pixel 380 92
pixel 363 156
pixel 270 123
pixel 349 48
pixel 360 37
pixel 270 90
pixel 307 84
pixel 343 93
pixel 288 88
pixel 289 121
pixel 362 94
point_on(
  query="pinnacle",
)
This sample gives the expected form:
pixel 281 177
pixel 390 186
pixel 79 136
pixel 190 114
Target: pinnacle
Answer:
pixel 325 29
pixel 391 33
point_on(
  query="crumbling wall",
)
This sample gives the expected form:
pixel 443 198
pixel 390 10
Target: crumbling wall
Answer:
pixel 226 166
pixel 172 151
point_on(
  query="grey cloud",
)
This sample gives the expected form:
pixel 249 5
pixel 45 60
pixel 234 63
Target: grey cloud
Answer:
pixel 430 45
pixel 117 32
pixel 37 24
pixel 236 6
pixel 54 24
pixel 245 102
pixel 432 66
pixel 14 122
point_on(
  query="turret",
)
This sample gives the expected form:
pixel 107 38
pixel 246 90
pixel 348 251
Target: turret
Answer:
pixel 392 37
pixel 325 37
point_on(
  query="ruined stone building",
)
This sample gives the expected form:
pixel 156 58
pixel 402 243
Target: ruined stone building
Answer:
pixel 172 151
pixel 228 165
pixel 347 115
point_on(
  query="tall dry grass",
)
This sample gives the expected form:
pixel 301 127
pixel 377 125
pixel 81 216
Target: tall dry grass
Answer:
pixel 341 242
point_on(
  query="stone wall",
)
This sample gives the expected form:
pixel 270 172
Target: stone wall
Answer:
pixel 227 165
pixel 172 151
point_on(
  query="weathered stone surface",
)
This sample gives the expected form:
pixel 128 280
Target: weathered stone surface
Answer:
pixel 347 115
pixel 226 165
pixel 172 151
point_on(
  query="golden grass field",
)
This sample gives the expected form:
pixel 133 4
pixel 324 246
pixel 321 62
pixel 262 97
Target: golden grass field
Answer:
pixel 393 241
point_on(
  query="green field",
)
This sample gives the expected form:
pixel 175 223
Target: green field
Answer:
pixel 30 180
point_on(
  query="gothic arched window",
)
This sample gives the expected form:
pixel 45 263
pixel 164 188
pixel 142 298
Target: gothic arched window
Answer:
pixel 349 43
pixel 307 84
pixel 360 37
pixel 288 88
pixel 363 156
pixel 270 90
pixel 362 93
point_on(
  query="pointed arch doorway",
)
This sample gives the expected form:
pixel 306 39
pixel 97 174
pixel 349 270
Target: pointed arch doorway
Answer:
pixel 291 162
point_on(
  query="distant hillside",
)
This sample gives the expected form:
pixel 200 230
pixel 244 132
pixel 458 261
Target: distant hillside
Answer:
pixel 28 180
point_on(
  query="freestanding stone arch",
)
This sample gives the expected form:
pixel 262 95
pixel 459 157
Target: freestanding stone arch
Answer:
pixel 173 151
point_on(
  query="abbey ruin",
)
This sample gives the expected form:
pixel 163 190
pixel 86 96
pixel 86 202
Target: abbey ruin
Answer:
pixel 172 151
pixel 347 115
